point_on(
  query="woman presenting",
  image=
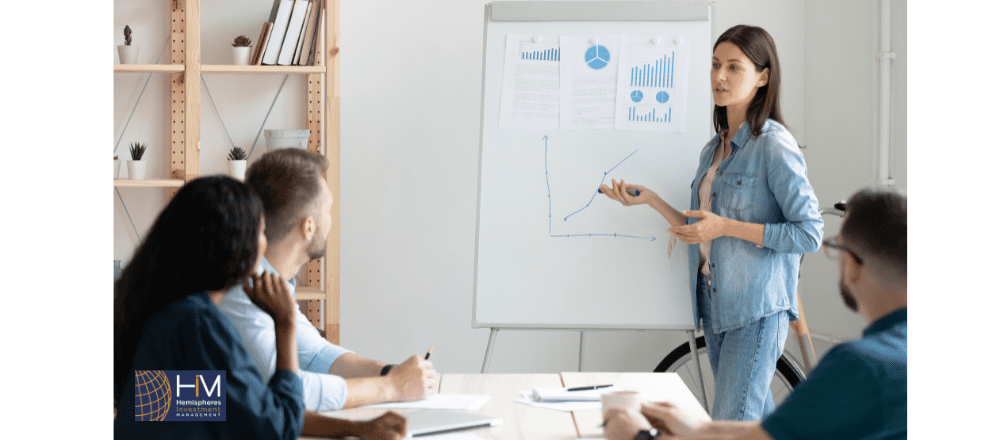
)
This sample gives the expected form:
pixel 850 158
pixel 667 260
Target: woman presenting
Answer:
pixel 752 213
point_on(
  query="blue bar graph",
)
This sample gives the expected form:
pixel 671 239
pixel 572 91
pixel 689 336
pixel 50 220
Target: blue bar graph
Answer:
pixel 634 116
pixel 541 55
pixel 659 73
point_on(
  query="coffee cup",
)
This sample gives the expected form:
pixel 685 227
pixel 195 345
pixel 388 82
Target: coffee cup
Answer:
pixel 623 399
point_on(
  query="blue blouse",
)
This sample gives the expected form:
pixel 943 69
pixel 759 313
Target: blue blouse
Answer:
pixel 763 181
pixel 192 334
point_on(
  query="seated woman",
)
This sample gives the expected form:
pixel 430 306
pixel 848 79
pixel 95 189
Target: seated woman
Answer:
pixel 209 238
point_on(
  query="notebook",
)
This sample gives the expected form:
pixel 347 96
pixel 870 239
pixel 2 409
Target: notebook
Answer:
pixel 429 422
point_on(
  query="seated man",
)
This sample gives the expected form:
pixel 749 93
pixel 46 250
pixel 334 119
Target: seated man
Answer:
pixel 858 390
pixel 297 202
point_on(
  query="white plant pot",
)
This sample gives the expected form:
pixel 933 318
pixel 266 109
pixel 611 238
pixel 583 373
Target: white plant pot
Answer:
pixel 128 54
pixel 118 167
pixel 237 169
pixel 136 169
pixel 241 55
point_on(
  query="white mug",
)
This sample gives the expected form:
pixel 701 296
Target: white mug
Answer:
pixel 623 400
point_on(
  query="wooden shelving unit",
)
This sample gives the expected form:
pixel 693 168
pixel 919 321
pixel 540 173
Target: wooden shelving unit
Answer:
pixel 151 183
pixel 323 121
pixel 148 68
pixel 261 70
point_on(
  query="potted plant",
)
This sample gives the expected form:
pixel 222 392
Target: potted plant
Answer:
pixel 136 166
pixel 237 163
pixel 127 53
pixel 118 166
pixel 241 51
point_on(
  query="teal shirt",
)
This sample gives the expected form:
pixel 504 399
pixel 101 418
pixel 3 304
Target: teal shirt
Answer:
pixel 192 334
pixel 858 390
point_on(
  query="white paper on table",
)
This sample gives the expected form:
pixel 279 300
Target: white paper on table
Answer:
pixel 466 402
pixel 588 81
pixel 454 436
pixel 558 406
pixel 529 98
pixel 652 83
pixel 562 394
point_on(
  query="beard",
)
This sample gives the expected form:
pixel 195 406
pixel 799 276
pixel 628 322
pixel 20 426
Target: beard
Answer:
pixel 317 247
pixel 849 300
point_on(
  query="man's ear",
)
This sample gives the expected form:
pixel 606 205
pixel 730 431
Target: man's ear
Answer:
pixel 852 269
pixel 308 227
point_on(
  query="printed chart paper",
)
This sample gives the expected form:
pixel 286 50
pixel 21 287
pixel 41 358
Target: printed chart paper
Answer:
pixel 652 83
pixel 529 98
pixel 588 79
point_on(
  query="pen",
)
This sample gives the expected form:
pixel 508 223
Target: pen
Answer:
pixel 631 192
pixel 429 351
pixel 588 388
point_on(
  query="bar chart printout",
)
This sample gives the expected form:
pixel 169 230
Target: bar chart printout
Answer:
pixel 648 114
pixel 650 83
pixel 541 51
pixel 530 96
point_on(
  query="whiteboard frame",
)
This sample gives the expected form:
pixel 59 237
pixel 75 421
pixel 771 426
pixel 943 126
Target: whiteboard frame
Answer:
pixel 538 11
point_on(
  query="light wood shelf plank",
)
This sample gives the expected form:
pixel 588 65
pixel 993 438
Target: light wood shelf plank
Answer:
pixel 152 183
pixel 309 293
pixel 149 68
pixel 259 70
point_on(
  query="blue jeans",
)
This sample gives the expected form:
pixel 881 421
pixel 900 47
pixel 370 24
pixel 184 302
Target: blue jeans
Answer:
pixel 742 361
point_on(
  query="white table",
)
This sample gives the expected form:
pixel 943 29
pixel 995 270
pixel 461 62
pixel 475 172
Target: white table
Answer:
pixel 521 421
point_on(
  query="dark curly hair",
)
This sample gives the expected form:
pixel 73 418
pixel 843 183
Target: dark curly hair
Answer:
pixel 205 239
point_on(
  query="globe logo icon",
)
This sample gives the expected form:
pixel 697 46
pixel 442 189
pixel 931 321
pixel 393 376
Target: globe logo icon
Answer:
pixel 152 395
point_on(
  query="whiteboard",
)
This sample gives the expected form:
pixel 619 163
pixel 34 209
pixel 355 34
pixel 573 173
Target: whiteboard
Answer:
pixel 549 253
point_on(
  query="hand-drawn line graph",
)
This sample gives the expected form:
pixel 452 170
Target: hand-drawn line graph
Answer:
pixel 599 184
pixel 549 188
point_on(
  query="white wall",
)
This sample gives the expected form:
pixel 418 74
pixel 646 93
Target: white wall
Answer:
pixel 408 197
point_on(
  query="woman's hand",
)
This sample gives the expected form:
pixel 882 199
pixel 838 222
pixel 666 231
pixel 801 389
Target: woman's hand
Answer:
pixel 390 426
pixel 623 425
pixel 618 192
pixel 271 294
pixel 710 227
pixel 670 419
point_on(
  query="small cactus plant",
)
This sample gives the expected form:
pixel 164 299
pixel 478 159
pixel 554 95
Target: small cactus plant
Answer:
pixel 241 41
pixel 237 153
pixel 128 36
pixel 137 150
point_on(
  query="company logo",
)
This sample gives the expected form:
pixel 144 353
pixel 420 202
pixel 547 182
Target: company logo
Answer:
pixel 180 395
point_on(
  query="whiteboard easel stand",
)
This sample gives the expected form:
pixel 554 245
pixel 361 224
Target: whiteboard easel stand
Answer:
pixel 577 11
pixel 691 342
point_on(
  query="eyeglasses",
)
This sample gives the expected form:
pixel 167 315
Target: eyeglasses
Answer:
pixel 830 249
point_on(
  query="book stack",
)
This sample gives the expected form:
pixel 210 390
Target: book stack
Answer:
pixel 292 34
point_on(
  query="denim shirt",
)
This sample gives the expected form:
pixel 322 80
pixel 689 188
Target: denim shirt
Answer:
pixel 763 181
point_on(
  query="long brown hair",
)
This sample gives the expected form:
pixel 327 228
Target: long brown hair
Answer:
pixel 757 45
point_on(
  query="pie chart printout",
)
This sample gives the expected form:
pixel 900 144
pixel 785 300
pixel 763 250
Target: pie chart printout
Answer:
pixel 597 57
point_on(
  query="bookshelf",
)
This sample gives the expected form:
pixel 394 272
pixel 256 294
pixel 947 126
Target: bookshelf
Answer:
pixel 322 293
